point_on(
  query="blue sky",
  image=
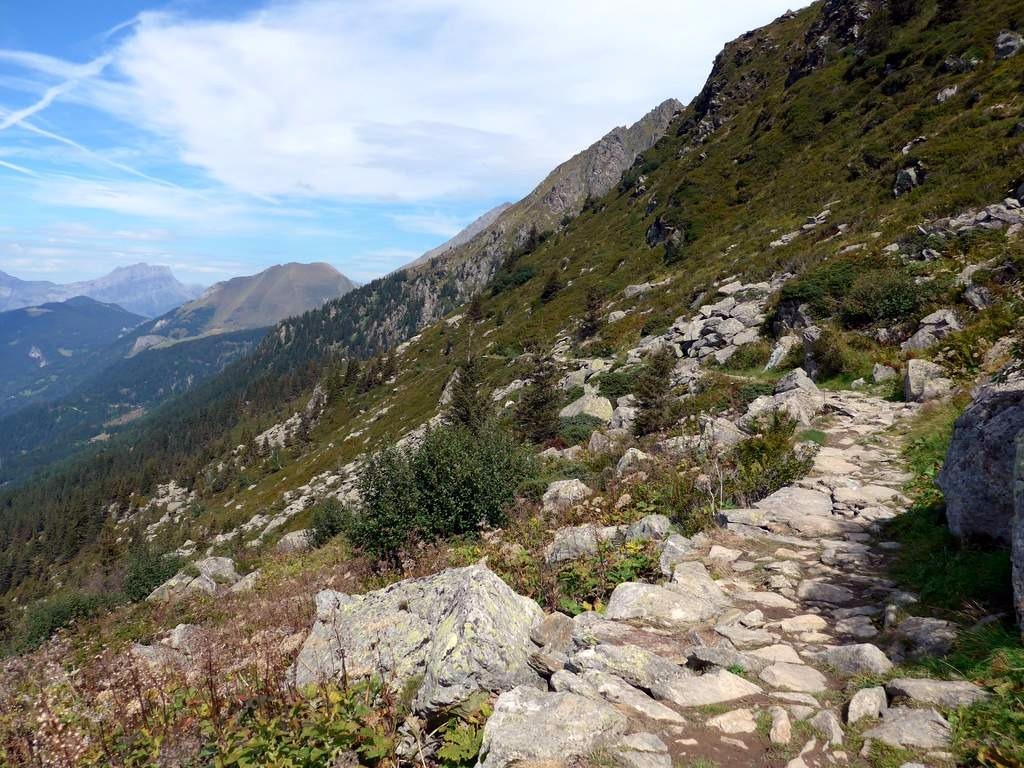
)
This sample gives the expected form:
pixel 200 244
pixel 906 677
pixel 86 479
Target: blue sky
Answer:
pixel 220 138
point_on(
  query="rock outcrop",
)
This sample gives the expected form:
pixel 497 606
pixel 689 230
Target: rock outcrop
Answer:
pixel 462 630
pixel 978 474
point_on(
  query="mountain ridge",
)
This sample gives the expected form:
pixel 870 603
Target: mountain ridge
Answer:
pixel 144 289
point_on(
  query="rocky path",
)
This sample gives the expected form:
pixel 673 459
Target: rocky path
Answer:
pixel 761 646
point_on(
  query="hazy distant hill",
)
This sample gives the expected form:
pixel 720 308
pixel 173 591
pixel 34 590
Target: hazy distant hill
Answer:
pixel 40 345
pixel 141 288
pixel 255 301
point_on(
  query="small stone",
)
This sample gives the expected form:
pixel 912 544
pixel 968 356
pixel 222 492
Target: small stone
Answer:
pixel 828 725
pixel 794 677
pixel 782 730
pixel 778 653
pixel 824 592
pixel 723 553
pixel 867 702
pixel 808 622
pixel 737 721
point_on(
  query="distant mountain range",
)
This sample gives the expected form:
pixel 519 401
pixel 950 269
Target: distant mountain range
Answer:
pixel 78 370
pixel 144 289
pixel 242 303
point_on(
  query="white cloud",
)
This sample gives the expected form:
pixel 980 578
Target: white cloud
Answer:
pixel 401 99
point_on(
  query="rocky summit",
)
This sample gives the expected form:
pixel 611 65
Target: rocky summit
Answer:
pixel 708 452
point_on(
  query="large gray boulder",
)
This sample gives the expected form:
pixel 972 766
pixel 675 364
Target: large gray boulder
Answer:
pixel 532 727
pixel 562 494
pixel 462 630
pixel 977 477
pixel 589 405
pixel 925 381
pixel 211 576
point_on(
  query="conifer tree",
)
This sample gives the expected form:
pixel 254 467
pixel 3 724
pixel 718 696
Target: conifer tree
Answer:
pixel 551 287
pixel 470 406
pixel 475 310
pixel 536 414
pixel 592 318
pixel 656 409
pixel 351 372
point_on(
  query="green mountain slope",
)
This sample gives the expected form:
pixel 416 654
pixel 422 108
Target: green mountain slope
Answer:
pixel 819 111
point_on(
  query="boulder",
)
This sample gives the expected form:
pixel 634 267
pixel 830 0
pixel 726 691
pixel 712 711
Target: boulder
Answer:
pixel 947 694
pixel 638 666
pixel 829 726
pixel 462 631
pixel 1008 44
pixel 795 379
pixel 212 576
pixel 248 582
pixel 924 381
pixel 589 405
pixel 794 677
pixel 977 476
pixel 296 541
pixel 736 721
pixel 617 691
pixel 933 328
pixel 692 597
pixel 781 350
pixel 675 550
pixel 642 750
pixel 859 659
pixel 572 543
pixel 532 727
pixel 881 373
pixel 707 689
pixel 631 461
pixel 562 494
pixel 919 636
pixel 904 727
pixel 649 528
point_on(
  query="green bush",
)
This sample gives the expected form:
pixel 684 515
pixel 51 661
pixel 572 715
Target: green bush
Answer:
pixel 505 281
pixel 45 617
pixel 577 429
pixel 750 356
pixel 452 484
pixel 767 462
pixel 146 572
pixel 616 384
pixel 880 295
pixel 330 518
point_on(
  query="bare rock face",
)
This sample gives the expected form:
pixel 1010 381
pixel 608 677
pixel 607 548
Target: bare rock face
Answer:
pixel 977 477
pixel 531 727
pixel 463 630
